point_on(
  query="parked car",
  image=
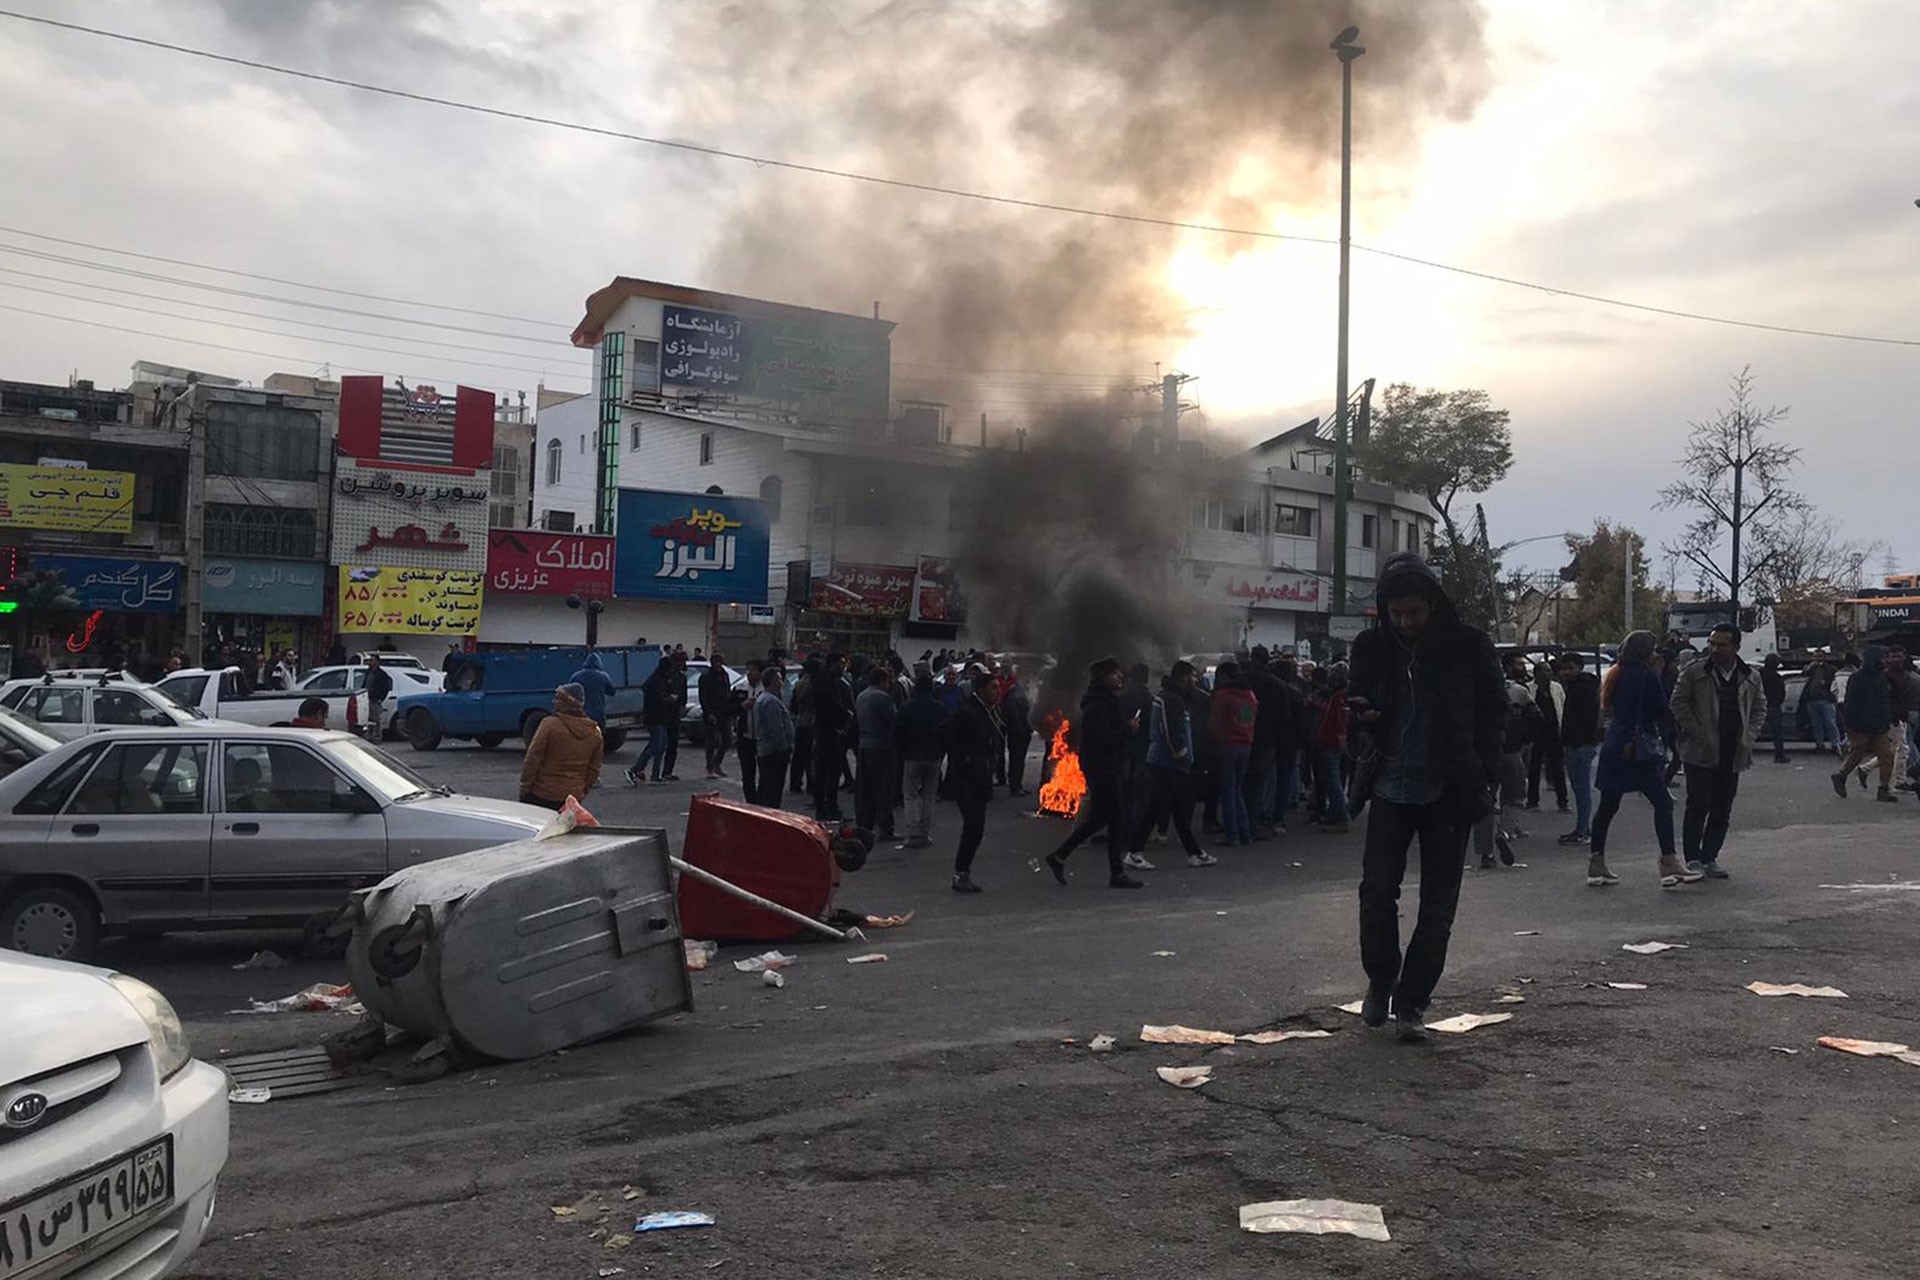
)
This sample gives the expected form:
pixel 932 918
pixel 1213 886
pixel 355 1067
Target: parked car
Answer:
pixel 219 694
pixel 389 658
pixel 331 681
pixel 68 707
pixel 222 825
pixel 114 1136
pixel 491 697
pixel 21 741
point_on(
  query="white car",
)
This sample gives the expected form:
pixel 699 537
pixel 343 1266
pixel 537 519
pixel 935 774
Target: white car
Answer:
pixel 112 1137
pixel 330 682
pixel 66 707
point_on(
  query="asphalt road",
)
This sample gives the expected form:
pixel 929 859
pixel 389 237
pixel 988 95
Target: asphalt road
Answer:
pixel 928 1117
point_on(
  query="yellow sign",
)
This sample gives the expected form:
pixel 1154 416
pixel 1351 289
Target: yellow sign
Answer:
pixel 69 498
pixel 430 602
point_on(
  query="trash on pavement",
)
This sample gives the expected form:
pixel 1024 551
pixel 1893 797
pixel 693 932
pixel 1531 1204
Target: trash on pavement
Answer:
pixel 1904 886
pixel 887 922
pixel 673 1220
pixel 872 957
pixel 764 961
pixel 1461 1023
pixel 1278 1037
pixel 1509 999
pixel 249 1095
pixel 262 960
pixel 563 1211
pixel 1780 1048
pixel 604 1272
pixel 1872 1049
pixel 1102 1043
pixel 773 978
pixel 321 997
pixel 1184 1077
pixel 1653 948
pixel 1316 1218
pixel 1183 1035
pixel 1353 1008
pixel 1526 933
pixel 1163 955
pixel 1628 986
pixel 699 954
pixel 621 1241
pixel 1794 989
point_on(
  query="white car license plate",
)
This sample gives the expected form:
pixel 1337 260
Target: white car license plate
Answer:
pixel 50 1222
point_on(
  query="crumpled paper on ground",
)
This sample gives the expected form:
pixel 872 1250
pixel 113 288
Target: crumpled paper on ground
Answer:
pixel 1316 1218
pixel 1628 986
pixel 764 961
pixel 240 1095
pixel 1277 1037
pixel 1872 1049
pixel 1102 1043
pixel 888 922
pixel 1183 1035
pixel 699 953
pixel 262 960
pixel 1652 948
pixel 1184 1077
pixel 1795 989
pixel 1353 1008
pixel 1460 1023
pixel 671 1221
pixel 872 957
pixel 321 997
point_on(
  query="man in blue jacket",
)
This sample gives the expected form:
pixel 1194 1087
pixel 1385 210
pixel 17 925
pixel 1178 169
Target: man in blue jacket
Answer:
pixel 593 678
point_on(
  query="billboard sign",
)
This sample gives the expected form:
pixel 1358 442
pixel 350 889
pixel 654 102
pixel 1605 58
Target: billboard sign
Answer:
pixel 74 500
pixel 810 360
pixel 1297 591
pixel 530 562
pixel 691 546
pixel 936 593
pixel 110 584
pixel 408 517
pixel 290 588
pixel 381 600
pixel 864 591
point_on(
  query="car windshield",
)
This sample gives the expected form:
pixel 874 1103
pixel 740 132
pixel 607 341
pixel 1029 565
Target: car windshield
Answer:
pixel 18 729
pixel 175 702
pixel 385 776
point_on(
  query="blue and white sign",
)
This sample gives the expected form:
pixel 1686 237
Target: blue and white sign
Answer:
pixel 691 546
pixel 113 585
pixel 286 588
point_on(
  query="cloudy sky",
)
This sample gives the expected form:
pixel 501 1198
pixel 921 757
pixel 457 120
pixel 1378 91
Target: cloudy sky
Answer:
pixel 1749 160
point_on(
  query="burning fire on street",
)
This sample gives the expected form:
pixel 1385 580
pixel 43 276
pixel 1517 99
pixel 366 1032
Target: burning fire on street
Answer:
pixel 1063 792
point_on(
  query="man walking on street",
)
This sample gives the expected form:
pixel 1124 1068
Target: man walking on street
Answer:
pixel 1427 688
pixel 715 691
pixel 802 706
pixel 772 737
pixel 594 681
pixel 1101 742
pixel 676 711
pixel 1136 785
pixel 1868 715
pixel 740 711
pixel 920 733
pixel 1823 710
pixel 832 721
pixel 655 703
pixel 1579 741
pixel 875 717
pixel 1718 710
pixel 1902 705
pixel 1548 753
pixel 976 743
pixel 1170 753
pixel 379 688
pixel 1774 686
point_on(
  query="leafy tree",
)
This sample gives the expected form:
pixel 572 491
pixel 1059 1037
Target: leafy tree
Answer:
pixel 1596 611
pixel 1439 443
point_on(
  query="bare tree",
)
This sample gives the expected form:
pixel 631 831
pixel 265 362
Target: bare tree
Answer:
pixel 1734 481
pixel 1809 566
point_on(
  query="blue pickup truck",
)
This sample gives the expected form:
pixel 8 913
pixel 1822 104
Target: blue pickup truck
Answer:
pixel 491 697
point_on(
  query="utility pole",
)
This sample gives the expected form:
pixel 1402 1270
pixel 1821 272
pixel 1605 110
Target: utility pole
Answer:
pixel 1626 581
pixel 1346 50
pixel 1170 412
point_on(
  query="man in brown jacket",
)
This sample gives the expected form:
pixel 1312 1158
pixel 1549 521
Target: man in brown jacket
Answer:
pixel 564 757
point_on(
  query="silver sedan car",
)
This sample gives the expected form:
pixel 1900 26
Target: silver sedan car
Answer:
pixel 217 825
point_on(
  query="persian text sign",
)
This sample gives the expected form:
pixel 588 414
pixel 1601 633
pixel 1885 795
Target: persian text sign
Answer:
pixel 691 546
pixel 266 587
pixel 841 361
pixel 422 519
pixel 864 590
pixel 382 600
pixel 1298 591
pixel 72 499
pixel 114 585
pixel 528 562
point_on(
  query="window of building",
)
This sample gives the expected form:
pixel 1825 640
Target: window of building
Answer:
pixel 1399 536
pixel 559 522
pixel 553 461
pixel 1369 531
pixel 706 448
pixel 1294 522
pixel 646 368
pixel 583 442
pixel 633 437
pixel 262 441
pixel 770 494
pixel 1226 515
pixel 235 530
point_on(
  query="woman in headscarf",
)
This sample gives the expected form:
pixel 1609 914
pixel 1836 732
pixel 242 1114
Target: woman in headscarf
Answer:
pixel 1633 757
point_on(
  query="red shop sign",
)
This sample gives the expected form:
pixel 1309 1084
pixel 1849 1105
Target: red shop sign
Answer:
pixel 865 590
pixel 528 562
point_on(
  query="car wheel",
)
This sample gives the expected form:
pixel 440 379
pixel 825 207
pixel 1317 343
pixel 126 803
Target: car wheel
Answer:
pixel 614 739
pixel 488 741
pixel 422 732
pixel 530 725
pixel 58 924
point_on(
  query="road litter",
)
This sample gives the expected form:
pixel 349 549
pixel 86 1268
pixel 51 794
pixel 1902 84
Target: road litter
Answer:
pixel 1184 1077
pixel 673 1221
pixel 1219 913
pixel 1183 1035
pixel 1653 948
pixel 1628 986
pixel 1903 886
pixel 1526 933
pixel 1297 864
pixel 1780 1048
pixel 764 961
pixel 1102 1043
pixel 249 1095
pixel 1353 1008
pixel 1278 1037
pixel 563 1211
pixel 1795 989
pixel 1872 1049
pixel 699 954
pixel 628 1193
pixel 773 978
pixel 262 960
pixel 1315 1218
pixel 887 922
pixel 604 1272
pixel 1461 1023
pixel 321 997
pixel 872 957
pixel 618 1242
pixel 1163 955
pixel 1524 981
pixel 1509 999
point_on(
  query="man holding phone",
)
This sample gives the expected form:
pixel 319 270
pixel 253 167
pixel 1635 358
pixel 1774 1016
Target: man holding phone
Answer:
pixel 1428 694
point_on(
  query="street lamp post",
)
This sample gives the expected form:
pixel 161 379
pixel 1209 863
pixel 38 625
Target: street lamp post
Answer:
pixel 1346 50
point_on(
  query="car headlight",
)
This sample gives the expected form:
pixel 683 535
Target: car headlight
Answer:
pixel 165 1035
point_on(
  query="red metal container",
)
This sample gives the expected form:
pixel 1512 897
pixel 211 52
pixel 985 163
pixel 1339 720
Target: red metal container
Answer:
pixel 787 858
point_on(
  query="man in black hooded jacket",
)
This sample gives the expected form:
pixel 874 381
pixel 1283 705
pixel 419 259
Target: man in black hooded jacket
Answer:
pixel 1427 690
pixel 1100 740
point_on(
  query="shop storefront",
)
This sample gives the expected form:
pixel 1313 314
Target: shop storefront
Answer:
pixel 106 611
pixel 684 557
pixel 264 605
pixel 855 608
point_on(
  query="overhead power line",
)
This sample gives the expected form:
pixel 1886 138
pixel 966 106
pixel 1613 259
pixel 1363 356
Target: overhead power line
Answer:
pixel 960 193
